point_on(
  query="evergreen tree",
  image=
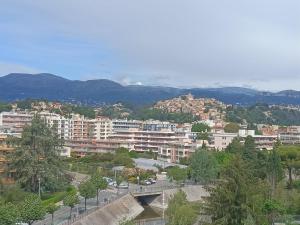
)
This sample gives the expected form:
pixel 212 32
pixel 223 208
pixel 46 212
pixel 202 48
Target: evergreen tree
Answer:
pixel 180 211
pixel 274 169
pixel 203 166
pixel 37 157
pixel 227 203
pixel 235 146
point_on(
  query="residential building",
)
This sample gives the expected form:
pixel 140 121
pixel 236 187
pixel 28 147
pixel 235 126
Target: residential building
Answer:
pixel 14 122
pixel 126 124
pixel 6 177
pixel 103 128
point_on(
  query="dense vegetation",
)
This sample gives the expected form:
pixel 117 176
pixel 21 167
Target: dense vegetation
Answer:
pixel 156 114
pixel 5 107
pixel 264 114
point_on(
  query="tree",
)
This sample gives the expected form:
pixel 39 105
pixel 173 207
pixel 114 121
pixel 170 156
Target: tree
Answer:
pixel 235 146
pixel 37 157
pixel 231 201
pixel 249 149
pixel 87 190
pixel 200 127
pixel 274 169
pixel 119 180
pixel 231 128
pixel 31 209
pixel 273 209
pixel 177 174
pixel 51 208
pixel 290 157
pixel 100 183
pixel 71 200
pixel 180 211
pixel 203 166
pixel 9 214
pixel 126 222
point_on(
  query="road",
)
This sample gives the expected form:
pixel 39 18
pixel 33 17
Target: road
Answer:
pixel 62 215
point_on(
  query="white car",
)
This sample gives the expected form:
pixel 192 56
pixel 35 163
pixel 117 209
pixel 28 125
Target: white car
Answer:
pixel 124 185
pixel 147 182
pixel 153 181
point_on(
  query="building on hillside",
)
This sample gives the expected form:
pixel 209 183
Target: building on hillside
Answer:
pixel 103 128
pixel 81 128
pixel 220 141
pixel 145 140
pixel 61 124
pixel 126 124
pixel 174 151
pixel 82 147
pixel 289 135
pixel 14 122
pixel 6 177
pixel 156 125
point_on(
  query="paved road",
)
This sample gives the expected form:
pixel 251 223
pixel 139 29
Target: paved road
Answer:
pixel 63 213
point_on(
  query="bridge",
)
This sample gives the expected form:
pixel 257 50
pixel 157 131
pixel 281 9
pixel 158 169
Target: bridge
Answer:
pixel 127 203
pixel 150 190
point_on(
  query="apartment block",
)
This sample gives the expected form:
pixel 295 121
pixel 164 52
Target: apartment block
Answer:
pixel 14 122
pixel 6 177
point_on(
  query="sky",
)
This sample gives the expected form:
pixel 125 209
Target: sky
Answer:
pixel 190 43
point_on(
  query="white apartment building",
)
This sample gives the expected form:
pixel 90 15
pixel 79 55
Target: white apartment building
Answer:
pixel 103 128
pixel 140 140
pixel 289 135
pixel 220 141
pixel 13 122
pixel 60 123
pixel 126 124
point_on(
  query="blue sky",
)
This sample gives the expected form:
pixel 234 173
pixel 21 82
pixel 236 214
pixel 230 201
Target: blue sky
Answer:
pixel 192 43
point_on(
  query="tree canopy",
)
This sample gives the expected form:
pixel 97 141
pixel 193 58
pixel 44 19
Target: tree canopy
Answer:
pixel 37 158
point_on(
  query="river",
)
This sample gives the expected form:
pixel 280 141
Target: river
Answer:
pixel 150 216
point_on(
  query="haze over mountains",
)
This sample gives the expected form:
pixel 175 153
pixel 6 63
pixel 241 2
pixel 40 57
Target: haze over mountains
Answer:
pixel 17 86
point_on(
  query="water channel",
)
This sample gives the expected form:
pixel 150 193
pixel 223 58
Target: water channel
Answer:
pixel 150 216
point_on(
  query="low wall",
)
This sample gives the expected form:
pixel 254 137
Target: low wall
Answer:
pixel 111 214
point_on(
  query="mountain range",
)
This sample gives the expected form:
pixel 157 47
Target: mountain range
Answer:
pixel 19 86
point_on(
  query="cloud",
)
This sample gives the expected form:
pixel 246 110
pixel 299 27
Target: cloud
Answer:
pixel 6 68
pixel 192 42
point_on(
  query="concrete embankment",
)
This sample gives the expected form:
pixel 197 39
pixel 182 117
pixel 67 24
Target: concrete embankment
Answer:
pixel 111 214
pixel 193 193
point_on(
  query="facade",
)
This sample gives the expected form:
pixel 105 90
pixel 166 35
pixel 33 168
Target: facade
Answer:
pixel 141 141
pixel 126 124
pixel 59 123
pixel 174 151
pixel 220 141
pixel 289 135
pixel 156 125
pixel 7 178
pixel 13 122
pixel 103 128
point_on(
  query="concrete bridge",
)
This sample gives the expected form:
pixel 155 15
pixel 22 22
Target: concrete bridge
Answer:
pixel 129 204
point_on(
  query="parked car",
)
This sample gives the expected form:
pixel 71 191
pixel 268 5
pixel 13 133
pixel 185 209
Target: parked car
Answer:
pixel 113 184
pixel 124 185
pixel 153 181
pixel 146 182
